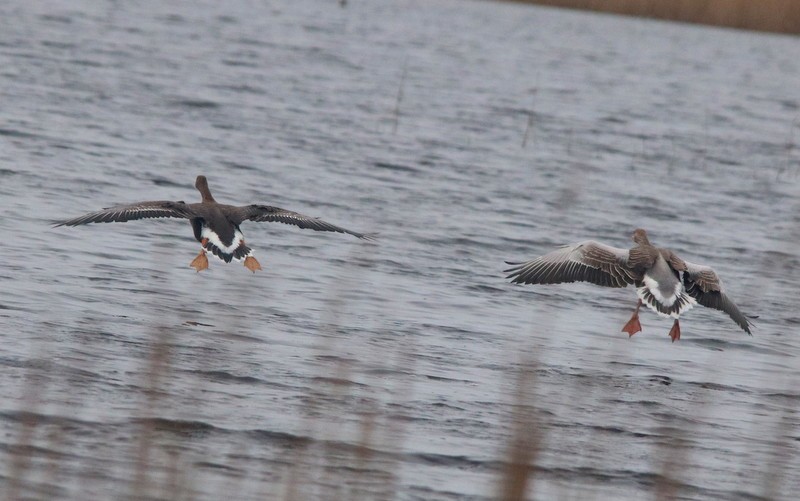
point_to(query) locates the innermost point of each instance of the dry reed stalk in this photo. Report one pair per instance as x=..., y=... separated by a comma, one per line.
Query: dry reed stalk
x=175, y=480
x=363, y=451
x=55, y=441
x=673, y=158
x=527, y=129
x=674, y=451
x=244, y=292
x=339, y=388
x=782, y=459
x=789, y=146
x=570, y=139
x=398, y=429
x=525, y=442
x=338, y=385
x=292, y=484
x=20, y=454
x=399, y=98
x=782, y=455
x=157, y=370
x=531, y=117
x=376, y=430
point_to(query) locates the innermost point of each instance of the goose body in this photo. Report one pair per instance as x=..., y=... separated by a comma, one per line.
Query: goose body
x=215, y=225
x=664, y=282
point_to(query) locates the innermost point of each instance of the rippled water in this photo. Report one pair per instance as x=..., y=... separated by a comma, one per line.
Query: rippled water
x=466, y=133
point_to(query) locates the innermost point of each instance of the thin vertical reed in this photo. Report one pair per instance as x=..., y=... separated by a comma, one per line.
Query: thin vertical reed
x=399, y=99
x=20, y=454
x=157, y=369
x=525, y=443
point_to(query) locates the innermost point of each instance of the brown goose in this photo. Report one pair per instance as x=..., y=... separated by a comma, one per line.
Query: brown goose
x=215, y=225
x=664, y=282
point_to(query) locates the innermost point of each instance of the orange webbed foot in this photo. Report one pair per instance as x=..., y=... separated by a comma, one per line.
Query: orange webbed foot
x=675, y=332
x=633, y=326
x=251, y=264
x=200, y=263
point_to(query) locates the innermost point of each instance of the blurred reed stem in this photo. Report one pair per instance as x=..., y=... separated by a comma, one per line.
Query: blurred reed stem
x=525, y=443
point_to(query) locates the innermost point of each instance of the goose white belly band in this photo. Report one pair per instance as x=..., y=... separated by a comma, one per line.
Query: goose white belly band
x=213, y=238
x=651, y=295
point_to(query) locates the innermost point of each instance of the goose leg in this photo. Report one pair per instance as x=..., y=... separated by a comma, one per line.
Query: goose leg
x=633, y=326
x=675, y=332
x=200, y=263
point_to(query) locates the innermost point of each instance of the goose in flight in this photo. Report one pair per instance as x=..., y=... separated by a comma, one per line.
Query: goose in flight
x=664, y=282
x=215, y=225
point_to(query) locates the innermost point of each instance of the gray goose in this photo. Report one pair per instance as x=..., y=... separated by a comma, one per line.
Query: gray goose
x=664, y=282
x=215, y=225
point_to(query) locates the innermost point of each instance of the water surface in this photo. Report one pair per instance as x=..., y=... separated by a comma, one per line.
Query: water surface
x=466, y=133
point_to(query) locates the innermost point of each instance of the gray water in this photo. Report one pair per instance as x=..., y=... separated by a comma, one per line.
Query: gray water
x=466, y=134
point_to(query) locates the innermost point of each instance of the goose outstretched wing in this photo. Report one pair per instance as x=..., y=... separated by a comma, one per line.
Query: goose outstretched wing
x=704, y=285
x=267, y=213
x=130, y=212
x=587, y=261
